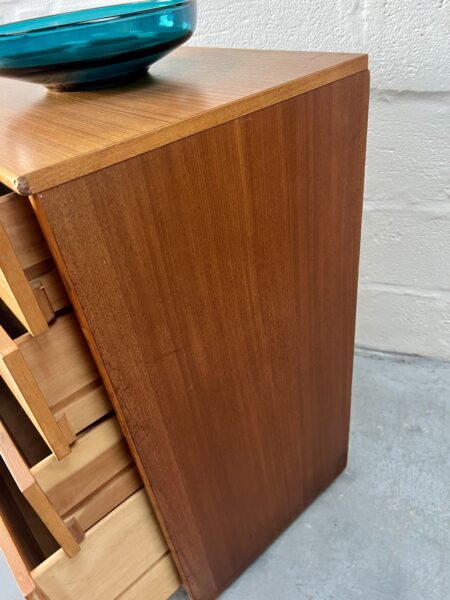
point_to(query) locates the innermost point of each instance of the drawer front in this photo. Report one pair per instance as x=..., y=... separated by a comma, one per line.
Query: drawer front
x=98, y=475
x=30, y=285
x=117, y=554
x=18, y=377
x=54, y=378
x=35, y=495
x=124, y=556
x=72, y=495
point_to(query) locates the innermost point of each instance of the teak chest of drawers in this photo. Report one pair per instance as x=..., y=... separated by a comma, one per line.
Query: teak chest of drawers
x=204, y=224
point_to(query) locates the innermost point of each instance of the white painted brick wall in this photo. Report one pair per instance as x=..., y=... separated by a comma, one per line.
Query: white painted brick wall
x=404, y=300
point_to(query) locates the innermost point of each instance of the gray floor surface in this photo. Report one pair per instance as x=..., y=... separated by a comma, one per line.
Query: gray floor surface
x=382, y=530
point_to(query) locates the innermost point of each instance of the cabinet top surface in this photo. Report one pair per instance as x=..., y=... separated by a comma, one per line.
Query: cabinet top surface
x=48, y=139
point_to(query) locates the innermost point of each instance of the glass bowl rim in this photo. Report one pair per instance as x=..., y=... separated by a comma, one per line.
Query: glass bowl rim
x=25, y=27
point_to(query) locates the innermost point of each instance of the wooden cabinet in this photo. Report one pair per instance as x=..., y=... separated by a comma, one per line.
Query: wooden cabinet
x=204, y=223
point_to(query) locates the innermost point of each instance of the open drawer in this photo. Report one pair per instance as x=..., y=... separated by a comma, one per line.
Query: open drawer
x=55, y=380
x=72, y=495
x=30, y=284
x=98, y=475
x=124, y=556
x=35, y=495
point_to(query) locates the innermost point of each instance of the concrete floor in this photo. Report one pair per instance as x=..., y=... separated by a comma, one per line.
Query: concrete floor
x=382, y=531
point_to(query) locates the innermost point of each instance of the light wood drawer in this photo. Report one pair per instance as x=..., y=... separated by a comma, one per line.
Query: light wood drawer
x=97, y=476
x=72, y=495
x=55, y=380
x=30, y=533
x=27, y=439
x=35, y=495
x=124, y=556
x=30, y=284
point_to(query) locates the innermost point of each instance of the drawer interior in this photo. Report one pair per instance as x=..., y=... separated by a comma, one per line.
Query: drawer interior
x=29, y=282
x=96, y=477
x=64, y=370
x=30, y=534
x=48, y=367
x=123, y=553
x=124, y=556
x=72, y=495
x=26, y=437
x=54, y=379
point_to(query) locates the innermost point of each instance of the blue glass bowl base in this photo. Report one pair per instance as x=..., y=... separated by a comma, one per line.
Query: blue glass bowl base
x=95, y=48
x=92, y=75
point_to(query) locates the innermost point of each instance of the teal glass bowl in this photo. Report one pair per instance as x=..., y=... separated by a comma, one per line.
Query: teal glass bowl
x=97, y=47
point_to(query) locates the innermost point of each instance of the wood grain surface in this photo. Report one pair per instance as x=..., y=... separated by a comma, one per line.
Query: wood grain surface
x=17, y=375
x=97, y=457
x=15, y=290
x=115, y=554
x=215, y=279
x=29, y=282
x=31, y=537
x=26, y=437
x=48, y=139
x=32, y=491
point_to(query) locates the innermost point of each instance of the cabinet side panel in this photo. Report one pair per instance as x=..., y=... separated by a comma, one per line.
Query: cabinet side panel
x=216, y=280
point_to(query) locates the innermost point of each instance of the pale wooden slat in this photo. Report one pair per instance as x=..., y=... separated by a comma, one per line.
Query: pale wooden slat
x=43, y=301
x=44, y=508
x=54, y=289
x=84, y=407
x=158, y=583
x=115, y=553
x=14, y=461
x=32, y=491
x=96, y=458
x=15, y=290
x=30, y=285
x=54, y=378
x=22, y=229
x=7, y=345
x=18, y=377
x=66, y=429
x=22, y=430
x=29, y=533
x=116, y=491
x=60, y=360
